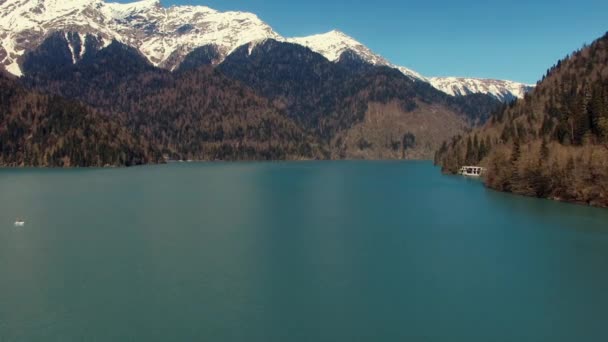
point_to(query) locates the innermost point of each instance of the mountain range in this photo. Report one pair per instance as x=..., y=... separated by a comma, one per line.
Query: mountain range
x=166, y=36
x=270, y=100
x=90, y=83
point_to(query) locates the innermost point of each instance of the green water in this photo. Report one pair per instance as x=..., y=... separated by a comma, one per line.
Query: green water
x=331, y=251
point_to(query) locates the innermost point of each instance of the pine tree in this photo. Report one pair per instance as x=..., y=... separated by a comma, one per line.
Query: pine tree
x=598, y=111
x=514, y=180
x=483, y=150
x=470, y=153
x=516, y=151
x=476, y=156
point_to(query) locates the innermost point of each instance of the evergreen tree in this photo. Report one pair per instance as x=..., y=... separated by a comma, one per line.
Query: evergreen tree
x=470, y=153
x=476, y=156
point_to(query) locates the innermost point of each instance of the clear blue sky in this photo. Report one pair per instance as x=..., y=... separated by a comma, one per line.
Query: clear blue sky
x=516, y=40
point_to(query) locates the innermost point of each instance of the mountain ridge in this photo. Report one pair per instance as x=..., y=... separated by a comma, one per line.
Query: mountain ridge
x=504, y=90
x=158, y=32
x=321, y=99
x=197, y=115
x=166, y=35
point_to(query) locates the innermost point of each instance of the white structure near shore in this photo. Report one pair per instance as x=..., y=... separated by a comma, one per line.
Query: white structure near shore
x=471, y=171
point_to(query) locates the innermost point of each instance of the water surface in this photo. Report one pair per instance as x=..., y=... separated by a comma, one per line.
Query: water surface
x=330, y=251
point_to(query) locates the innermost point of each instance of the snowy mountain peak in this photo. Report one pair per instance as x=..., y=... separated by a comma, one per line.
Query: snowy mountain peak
x=338, y=35
x=500, y=89
x=133, y=4
x=118, y=10
x=334, y=43
x=164, y=35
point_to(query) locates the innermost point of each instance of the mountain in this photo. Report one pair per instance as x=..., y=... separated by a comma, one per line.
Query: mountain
x=311, y=103
x=336, y=45
x=212, y=99
x=165, y=36
x=204, y=55
x=330, y=100
x=295, y=78
x=505, y=91
x=332, y=45
x=554, y=142
x=199, y=114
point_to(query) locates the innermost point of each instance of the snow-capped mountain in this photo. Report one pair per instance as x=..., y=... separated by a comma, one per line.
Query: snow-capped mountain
x=334, y=43
x=165, y=36
x=460, y=86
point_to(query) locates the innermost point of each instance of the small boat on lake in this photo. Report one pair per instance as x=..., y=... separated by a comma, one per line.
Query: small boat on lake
x=471, y=171
x=19, y=223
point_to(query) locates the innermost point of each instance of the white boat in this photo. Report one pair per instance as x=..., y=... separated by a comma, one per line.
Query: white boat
x=19, y=223
x=471, y=171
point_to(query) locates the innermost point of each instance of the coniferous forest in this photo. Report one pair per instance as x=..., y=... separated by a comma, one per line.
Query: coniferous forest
x=551, y=144
x=47, y=130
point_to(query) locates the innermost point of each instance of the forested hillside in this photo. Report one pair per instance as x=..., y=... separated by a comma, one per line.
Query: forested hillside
x=199, y=114
x=266, y=101
x=43, y=130
x=356, y=109
x=554, y=142
x=277, y=101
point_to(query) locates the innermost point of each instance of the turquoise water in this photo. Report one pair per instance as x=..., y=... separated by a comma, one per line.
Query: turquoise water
x=329, y=251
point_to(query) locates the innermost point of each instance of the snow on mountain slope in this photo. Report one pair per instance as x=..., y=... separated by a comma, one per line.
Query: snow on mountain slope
x=502, y=90
x=158, y=32
x=25, y=23
x=334, y=43
x=167, y=35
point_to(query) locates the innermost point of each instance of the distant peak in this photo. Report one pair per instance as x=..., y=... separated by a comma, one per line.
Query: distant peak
x=336, y=32
x=137, y=4
x=145, y=3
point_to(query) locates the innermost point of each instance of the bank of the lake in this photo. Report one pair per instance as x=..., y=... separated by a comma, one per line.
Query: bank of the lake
x=303, y=251
x=542, y=185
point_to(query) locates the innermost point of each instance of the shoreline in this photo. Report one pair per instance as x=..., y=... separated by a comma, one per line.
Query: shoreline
x=13, y=167
x=549, y=198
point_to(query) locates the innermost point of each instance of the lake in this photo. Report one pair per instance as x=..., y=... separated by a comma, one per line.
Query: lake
x=310, y=251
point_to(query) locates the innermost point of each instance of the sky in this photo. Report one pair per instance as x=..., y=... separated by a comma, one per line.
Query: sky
x=515, y=40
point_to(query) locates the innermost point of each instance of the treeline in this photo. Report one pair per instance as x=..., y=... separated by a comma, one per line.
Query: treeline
x=554, y=142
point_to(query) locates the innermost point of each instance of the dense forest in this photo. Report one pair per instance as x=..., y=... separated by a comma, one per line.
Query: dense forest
x=358, y=111
x=199, y=114
x=328, y=97
x=554, y=142
x=47, y=130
